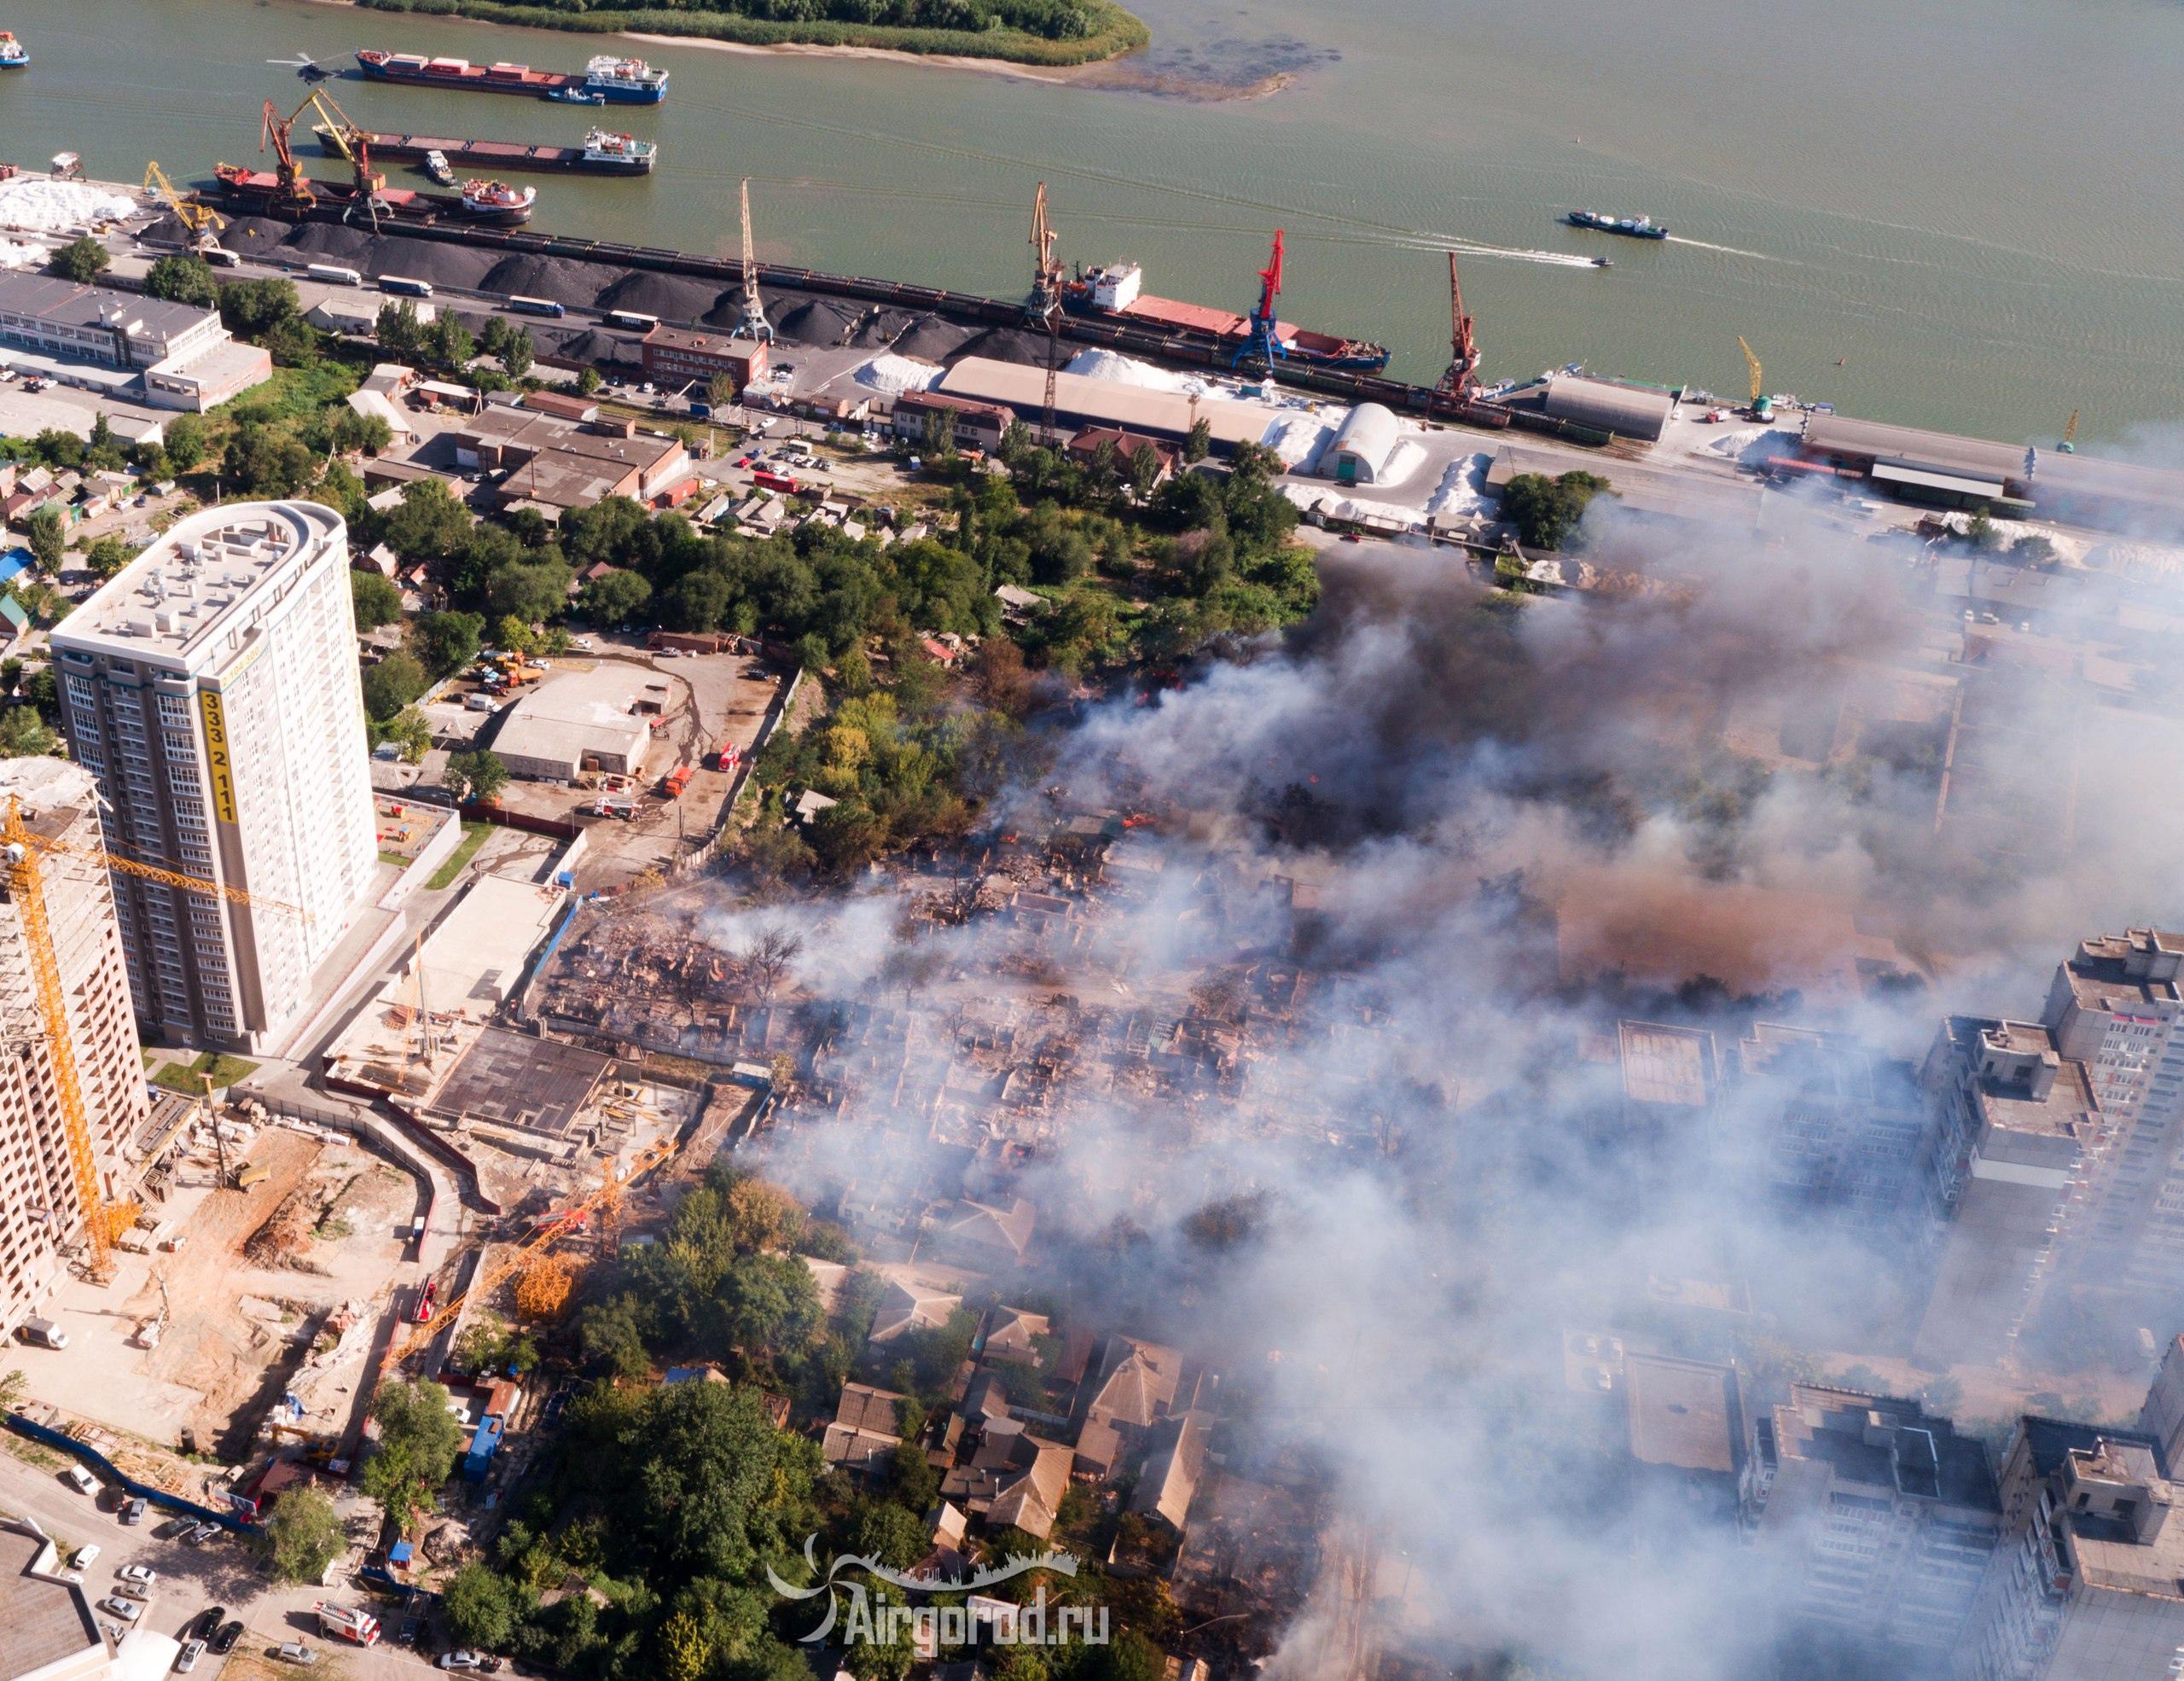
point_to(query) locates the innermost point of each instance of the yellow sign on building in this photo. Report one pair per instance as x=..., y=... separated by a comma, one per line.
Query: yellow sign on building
x=216, y=756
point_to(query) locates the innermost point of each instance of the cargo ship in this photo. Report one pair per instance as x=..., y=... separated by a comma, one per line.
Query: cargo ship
x=616, y=81
x=13, y=55
x=1632, y=227
x=1115, y=289
x=601, y=153
x=488, y=203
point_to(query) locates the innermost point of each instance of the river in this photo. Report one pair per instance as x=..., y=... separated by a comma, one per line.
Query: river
x=1966, y=213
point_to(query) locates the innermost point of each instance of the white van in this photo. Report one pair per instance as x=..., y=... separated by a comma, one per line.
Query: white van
x=43, y=1332
x=86, y=1555
x=81, y=1481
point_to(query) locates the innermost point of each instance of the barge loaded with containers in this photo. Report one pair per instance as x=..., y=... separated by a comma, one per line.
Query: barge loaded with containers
x=1114, y=290
x=601, y=153
x=606, y=79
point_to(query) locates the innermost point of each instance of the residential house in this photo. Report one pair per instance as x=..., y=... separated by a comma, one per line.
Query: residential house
x=907, y=1308
x=866, y=1431
x=1014, y=1333
x=1135, y=1390
x=986, y=1235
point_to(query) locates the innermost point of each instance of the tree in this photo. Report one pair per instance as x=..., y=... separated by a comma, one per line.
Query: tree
x=293, y=341
x=408, y=731
x=376, y=600
x=428, y=524
x=1197, y=442
x=1544, y=510
x=185, y=442
x=49, y=538
x=393, y=684
x=1144, y=469
x=102, y=450
x=531, y=591
x=354, y=434
x=24, y=735
x=304, y=1535
x=936, y=433
x=400, y=333
x=269, y=462
x=483, y=1606
x=685, y=1651
x=448, y=342
x=418, y=1440
x=518, y=353
x=478, y=775
x=82, y=260
x=447, y=641
x=107, y=557
x=183, y=278
x=251, y=308
x=616, y=597
x=720, y=391
x=589, y=381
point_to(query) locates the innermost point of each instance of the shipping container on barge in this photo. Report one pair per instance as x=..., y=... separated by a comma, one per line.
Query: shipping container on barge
x=259, y=192
x=601, y=153
x=615, y=81
x=1114, y=290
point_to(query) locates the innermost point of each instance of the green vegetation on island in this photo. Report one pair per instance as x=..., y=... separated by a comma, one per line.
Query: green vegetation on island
x=1023, y=31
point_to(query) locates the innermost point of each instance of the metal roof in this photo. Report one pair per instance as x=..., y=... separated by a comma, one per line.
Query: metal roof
x=1081, y=400
x=1938, y=481
x=1629, y=410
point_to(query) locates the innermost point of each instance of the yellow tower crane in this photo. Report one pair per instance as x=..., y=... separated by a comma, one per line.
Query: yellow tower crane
x=22, y=853
x=203, y=222
x=1761, y=408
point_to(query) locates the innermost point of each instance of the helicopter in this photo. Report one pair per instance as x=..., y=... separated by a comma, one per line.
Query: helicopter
x=306, y=66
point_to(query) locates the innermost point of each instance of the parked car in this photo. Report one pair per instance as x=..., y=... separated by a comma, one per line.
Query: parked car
x=127, y=1609
x=86, y=1555
x=138, y=1573
x=461, y=1660
x=295, y=1652
x=207, y=1623
x=186, y=1659
x=134, y=1511
x=224, y=1637
x=204, y=1533
x=132, y=1590
x=80, y=1479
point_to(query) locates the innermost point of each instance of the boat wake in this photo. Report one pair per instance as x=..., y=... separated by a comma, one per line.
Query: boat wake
x=1731, y=250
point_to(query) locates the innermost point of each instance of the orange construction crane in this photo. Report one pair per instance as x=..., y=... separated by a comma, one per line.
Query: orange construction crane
x=565, y=1221
x=1463, y=345
x=21, y=852
x=296, y=191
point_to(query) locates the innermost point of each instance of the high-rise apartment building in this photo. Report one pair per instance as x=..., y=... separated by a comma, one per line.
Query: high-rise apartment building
x=2087, y=1582
x=2013, y=1121
x=1836, y=1129
x=2162, y=1417
x=2115, y=1005
x=211, y=687
x=41, y=1213
x=1880, y=1519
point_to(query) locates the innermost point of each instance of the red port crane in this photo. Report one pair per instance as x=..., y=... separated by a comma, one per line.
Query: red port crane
x=1463, y=347
x=1264, y=344
x=296, y=188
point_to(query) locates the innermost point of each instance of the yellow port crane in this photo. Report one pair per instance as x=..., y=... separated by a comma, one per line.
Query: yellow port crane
x=349, y=140
x=564, y=1221
x=21, y=852
x=1760, y=406
x=203, y=222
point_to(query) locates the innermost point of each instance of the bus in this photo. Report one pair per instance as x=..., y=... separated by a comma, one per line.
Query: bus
x=334, y=274
x=406, y=286
x=631, y=319
x=537, y=306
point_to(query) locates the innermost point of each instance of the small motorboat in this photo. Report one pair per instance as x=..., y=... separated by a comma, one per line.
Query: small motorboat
x=578, y=95
x=437, y=167
x=13, y=55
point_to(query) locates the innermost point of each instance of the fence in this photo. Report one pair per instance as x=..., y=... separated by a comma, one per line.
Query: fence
x=48, y=1437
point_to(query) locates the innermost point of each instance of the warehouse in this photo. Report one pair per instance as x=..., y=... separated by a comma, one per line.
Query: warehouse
x=1081, y=400
x=577, y=722
x=1365, y=444
x=1626, y=410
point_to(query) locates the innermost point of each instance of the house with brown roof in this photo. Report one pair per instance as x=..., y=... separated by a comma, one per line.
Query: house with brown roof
x=1012, y=1480
x=985, y=1234
x=907, y=1308
x=1014, y=1333
x=1135, y=1390
x=866, y=1430
x=1173, y=1465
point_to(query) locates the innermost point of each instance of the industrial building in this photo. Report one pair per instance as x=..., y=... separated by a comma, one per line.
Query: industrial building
x=189, y=359
x=978, y=425
x=555, y=465
x=1081, y=400
x=40, y=1208
x=2087, y=1580
x=1367, y=443
x=1881, y=1518
x=677, y=355
x=211, y=687
x=580, y=721
x=1605, y=405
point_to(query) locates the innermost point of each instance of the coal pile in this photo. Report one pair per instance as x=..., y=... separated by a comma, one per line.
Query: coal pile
x=670, y=297
x=1002, y=344
x=932, y=340
x=619, y=356
x=560, y=279
x=813, y=320
x=882, y=327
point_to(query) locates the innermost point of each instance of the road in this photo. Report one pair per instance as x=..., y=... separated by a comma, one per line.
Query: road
x=225, y=1571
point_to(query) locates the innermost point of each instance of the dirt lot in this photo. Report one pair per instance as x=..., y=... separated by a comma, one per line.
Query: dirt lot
x=256, y=1271
x=715, y=698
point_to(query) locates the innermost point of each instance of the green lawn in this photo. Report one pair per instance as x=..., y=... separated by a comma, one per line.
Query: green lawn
x=399, y=860
x=474, y=837
x=187, y=1077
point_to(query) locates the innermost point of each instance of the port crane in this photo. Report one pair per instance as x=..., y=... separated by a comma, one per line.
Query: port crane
x=1046, y=302
x=295, y=191
x=2069, y=444
x=1463, y=345
x=753, y=323
x=350, y=141
x=1264, y=344
x=21, y=867
x=1761, y=408
x=203, y=223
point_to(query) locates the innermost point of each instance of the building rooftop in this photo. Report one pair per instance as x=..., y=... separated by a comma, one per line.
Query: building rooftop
x=190, y=600
x=2122, y=969
x=46, y=1621
x=2117, y=1510
x=1888, y=1445
x=1666, y=1065
x=66, y=303
x=2025, y=1084
x=1113, y=402
x=578, y=712
x=1687, y=1415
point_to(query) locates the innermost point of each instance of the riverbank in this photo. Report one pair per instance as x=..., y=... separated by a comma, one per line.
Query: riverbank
x=1114, y=32
x=1109, y=75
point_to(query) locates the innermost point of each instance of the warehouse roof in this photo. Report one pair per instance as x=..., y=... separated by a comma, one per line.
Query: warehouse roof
x=1370, y=434
x=1081, y=399
x=64, y=303
x=1632, y=410
x=576, y=713
x=1913, y=447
